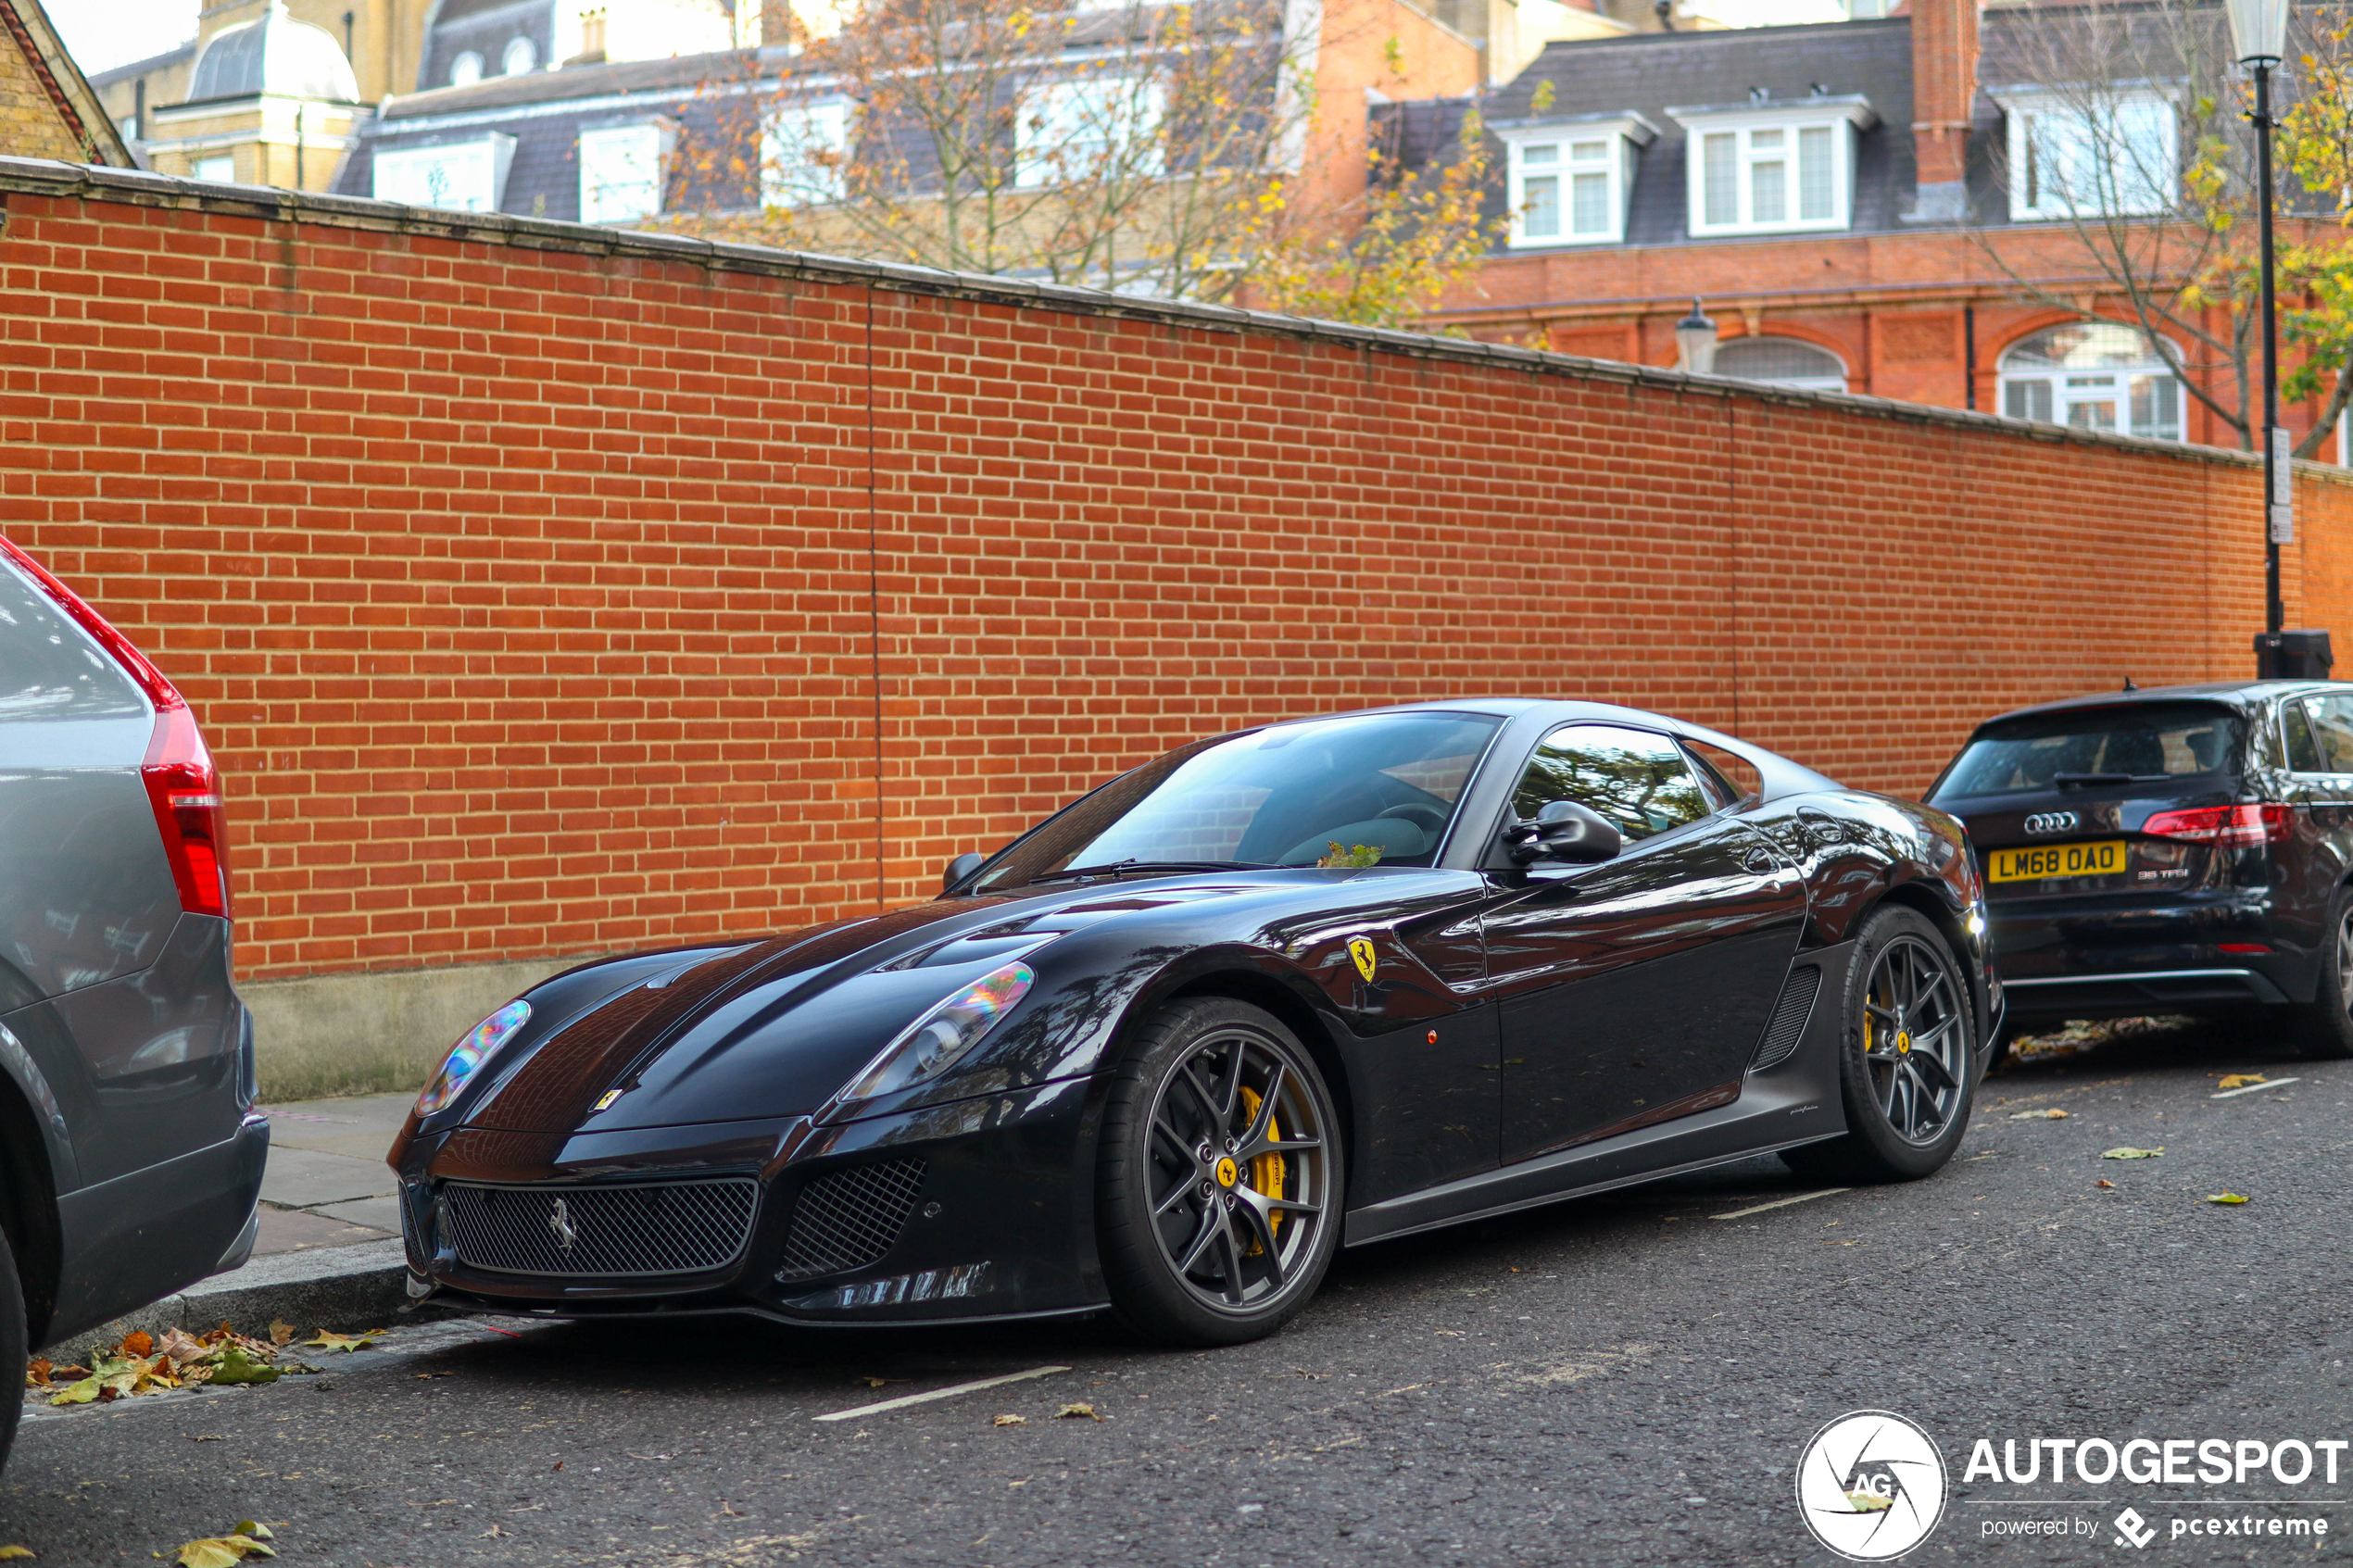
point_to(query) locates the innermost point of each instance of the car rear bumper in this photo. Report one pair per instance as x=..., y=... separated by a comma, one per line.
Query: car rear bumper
x=2157, y=990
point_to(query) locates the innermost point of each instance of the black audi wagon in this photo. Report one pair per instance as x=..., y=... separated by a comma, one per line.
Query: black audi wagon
x=2179, y=849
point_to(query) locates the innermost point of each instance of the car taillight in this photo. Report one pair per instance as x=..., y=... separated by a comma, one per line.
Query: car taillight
x=182, y=784
x=2230, y=826
x=186, y=793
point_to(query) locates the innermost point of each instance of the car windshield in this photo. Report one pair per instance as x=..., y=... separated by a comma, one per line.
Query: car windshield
x=1382, y=788
x=2087, y=750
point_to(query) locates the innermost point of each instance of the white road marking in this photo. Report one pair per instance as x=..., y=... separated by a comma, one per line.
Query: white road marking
x=949, y=1393
x=2251, y=1088
x=1781, y=1203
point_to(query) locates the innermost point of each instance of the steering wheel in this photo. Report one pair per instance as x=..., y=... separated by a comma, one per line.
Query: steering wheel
x=1429, y=818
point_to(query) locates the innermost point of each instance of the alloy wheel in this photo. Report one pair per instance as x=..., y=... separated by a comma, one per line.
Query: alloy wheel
x=1238, y=1170
x=1913, y=1046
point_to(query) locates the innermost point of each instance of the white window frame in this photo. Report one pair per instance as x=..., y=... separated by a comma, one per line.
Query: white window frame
x=1619, y=138
x=474, y=173
x=2039, y=182
x=1842, y=118
x=1046, y=129
x=210, y=167
x=607, y=198
x=788, y=177
x=519, y=48
x=467, y=68
x=2072, y=389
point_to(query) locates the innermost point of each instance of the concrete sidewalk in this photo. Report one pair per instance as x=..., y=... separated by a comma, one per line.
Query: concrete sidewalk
x=327, y=1184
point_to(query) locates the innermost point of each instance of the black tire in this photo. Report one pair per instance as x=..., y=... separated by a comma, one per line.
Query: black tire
x=13, y=1349
x=2323, y=1029
x=1217, y=1213
x=1907, y=1101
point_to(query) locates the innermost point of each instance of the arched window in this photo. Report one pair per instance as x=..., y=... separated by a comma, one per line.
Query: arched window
x=519, y=56
x=2095, y=375
x=466, y=69
x=1783, y=361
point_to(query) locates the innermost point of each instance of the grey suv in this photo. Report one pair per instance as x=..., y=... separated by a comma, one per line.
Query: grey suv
x=129, y=1154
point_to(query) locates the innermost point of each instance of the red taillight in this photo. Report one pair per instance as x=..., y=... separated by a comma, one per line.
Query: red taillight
x=186, y=793
x=178, y=772
x=2230, y=826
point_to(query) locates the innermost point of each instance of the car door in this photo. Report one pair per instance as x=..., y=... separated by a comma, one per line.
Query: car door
x=2318, y=735
x=1634, y=991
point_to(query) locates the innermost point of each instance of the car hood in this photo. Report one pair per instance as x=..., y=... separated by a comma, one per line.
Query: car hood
x=777, y=1027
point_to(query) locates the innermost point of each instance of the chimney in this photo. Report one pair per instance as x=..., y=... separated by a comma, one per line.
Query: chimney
x=1944, y=86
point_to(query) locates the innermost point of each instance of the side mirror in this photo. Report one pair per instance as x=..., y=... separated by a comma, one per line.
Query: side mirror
x=1563, y=830
x=959, y=868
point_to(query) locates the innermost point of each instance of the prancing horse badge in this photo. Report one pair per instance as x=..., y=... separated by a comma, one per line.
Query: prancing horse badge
x=1361, y=949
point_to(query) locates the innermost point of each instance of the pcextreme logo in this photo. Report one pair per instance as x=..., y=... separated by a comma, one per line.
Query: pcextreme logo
x=1870, y=1485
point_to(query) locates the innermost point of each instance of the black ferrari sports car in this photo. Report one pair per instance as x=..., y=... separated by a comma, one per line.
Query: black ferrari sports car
x=1321, y=983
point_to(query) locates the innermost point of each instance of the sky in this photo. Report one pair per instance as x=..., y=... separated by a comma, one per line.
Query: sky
x=102, y=34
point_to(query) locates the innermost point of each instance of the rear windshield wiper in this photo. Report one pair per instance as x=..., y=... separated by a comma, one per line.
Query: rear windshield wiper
x=1124, y=868
x=2085, y=780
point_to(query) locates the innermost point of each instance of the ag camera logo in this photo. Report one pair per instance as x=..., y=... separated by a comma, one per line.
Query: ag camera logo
x=1870, y=1485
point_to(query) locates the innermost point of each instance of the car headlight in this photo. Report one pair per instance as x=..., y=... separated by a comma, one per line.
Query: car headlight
x=475, y=1047
x=941, y=1037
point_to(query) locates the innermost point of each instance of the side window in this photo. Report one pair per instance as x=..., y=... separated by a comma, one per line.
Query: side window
x=49, y=668
x=1638, y=781
x=2303, y=757
x=1736, y=777
x=2332, y=720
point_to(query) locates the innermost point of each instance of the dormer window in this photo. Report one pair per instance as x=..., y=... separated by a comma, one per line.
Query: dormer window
x=2080, y=154
x=1771, y=168
x=1570, y=180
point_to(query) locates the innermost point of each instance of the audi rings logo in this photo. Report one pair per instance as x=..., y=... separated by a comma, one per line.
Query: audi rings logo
x=1870, y=1485
x=2053, y=822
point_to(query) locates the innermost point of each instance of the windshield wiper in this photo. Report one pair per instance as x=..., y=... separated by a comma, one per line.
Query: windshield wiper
x=1123, y=867
x=2085, y=780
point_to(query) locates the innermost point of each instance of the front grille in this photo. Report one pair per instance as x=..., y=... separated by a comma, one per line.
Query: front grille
x=1791, y=1015
x=844, y=1220
x=680, y=1227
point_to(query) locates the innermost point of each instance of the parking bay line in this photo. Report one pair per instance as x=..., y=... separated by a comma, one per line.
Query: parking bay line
x=1781, y=1203
x=949, y=1393
x=2251, y=1088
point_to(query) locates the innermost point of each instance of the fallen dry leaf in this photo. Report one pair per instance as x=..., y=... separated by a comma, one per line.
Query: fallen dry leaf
x=36, y=1373
x=2240, y=1080
x=1012, y=1421
x=2104, y=1182
x=139, y=1343
x=2053, y=1114
x=2225, y=1197
x=281, y=1332
x=2130, y=1153
x=327, y=1339
x=1077, y=1412
x=222, y=1551
x=11, y=1553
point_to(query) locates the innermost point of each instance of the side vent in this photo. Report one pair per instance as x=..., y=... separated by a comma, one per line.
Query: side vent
x=846, y=1219
x=1791, y=1015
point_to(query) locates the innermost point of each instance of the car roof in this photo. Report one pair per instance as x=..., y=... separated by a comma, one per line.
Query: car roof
x=2245, y=696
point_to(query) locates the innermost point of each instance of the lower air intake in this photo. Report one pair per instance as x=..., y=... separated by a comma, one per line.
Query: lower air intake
x=844, y=1220
x=1790, y=1017
x=601, y=1232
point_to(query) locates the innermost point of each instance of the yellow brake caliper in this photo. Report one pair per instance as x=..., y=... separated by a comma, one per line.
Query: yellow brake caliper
x=1265, y=1171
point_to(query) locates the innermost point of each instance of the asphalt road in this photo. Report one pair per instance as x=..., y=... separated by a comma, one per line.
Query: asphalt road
x=1624, y=1380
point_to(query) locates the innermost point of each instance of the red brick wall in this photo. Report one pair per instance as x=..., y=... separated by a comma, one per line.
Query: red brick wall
x=523, y=588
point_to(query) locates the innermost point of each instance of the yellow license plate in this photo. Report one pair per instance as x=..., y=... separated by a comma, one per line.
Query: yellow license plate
x=2104, y=857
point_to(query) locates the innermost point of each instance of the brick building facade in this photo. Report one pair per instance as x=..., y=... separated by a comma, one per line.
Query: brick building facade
x=1924, y=269
x=47, y=108
x=546, y=589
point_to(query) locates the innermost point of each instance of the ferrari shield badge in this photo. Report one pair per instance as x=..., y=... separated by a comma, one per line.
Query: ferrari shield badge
x=1361, y=949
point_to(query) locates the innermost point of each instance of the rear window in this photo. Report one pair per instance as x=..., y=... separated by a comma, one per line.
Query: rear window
x=48, y=668
x=2119, y=747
